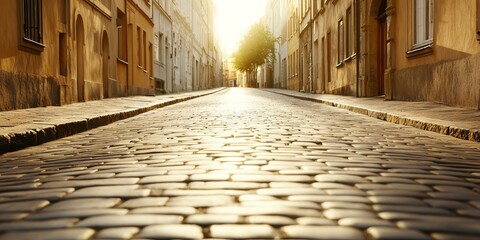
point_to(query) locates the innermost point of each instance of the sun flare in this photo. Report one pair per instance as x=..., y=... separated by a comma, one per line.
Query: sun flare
x=234, y=17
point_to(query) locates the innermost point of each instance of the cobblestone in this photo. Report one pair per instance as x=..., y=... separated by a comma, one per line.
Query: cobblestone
x=117, y=233
x=127, y=191
x=322, y=232
x=254, y=231
x=390, y=233
x=134, y=220
x=363, y=223
x=86, y=203
x=38, y=225
x=210, y=219
x=243, y=164
x=25, y=206
x=172, y=231
x=66, y=234
x=76, y=213
x=200, y=201
x=144, y=202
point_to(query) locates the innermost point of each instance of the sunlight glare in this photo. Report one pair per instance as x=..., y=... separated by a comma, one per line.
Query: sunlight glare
x=234, y=17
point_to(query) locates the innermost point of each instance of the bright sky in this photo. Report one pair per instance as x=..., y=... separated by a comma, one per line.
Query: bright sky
x=234, y=17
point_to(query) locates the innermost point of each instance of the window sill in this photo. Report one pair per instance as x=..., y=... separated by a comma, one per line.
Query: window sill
x=122, y=61
x=31, y=46
x=348, y=59
x=420, y=51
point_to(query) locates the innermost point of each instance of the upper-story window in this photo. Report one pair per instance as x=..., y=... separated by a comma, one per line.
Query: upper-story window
x=121, y=35
x=478, y=20
x=350, y=33
x=340, y=39
x=422, y=23
x=31, y=29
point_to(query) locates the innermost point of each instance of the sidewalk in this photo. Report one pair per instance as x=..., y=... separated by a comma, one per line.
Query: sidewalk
x=457, y=122
x=28, y=127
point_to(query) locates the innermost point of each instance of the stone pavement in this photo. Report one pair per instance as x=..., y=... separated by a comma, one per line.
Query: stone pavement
x=29, y=127
x=244, y=164
x=457, y=122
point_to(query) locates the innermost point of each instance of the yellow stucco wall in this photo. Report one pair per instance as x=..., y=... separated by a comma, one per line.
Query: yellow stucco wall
x=98, y=23
x=29, y=79
x=449, y=73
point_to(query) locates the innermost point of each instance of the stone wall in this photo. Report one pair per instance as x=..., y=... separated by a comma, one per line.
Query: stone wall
x=455, y=83
x=21, y=90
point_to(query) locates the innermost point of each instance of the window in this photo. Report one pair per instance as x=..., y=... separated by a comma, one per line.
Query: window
x=329, y=55
x=150, y=59
x=161, y=49
x=144, y=45
x=166, y=51
x=62, y=53
x=156, y=47
x=30, y=21
x=289, y=66
x=139, y=47
x=422, y=23
x=478, y=20
x=294, y=67
x=297, y=58
x=121, y=35
x=350, y=33
x=340, y=42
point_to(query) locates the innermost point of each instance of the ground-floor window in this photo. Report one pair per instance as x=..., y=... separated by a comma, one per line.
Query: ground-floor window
x=422, y=22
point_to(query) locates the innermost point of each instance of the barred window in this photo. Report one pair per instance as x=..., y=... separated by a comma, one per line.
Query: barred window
x=30, y=25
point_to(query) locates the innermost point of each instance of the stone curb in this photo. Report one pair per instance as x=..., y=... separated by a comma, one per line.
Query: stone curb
x=19, y=140
x=461, y=133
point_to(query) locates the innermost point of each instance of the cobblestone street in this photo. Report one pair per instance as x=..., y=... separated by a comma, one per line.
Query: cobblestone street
x=244, y=164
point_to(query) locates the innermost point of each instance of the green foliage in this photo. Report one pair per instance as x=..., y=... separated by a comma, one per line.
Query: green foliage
x=256, y=48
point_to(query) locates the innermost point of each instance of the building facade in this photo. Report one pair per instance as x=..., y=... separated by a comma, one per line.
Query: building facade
x=162, y=46
x=33, y=67
x=134, y=38
x=402, y=50
x=293, y=34
x=58, y=52
x=305, y=47
x=93, y=50
x=437, y=60
x=277, y=21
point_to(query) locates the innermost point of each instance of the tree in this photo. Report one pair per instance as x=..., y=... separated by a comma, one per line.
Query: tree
x=256, y=48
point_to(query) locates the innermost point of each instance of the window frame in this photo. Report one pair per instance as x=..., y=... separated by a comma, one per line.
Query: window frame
x=340, y=42
x=139, y=48
x=121, y=36
x=421, y=23
x=350, y=33
x=25, y=42
x=478, y=21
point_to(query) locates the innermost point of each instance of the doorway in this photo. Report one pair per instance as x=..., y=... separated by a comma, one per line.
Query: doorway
x=381, y=47
x=80, y=59
x=105, y=58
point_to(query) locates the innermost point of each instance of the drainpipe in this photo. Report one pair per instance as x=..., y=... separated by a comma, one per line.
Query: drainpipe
x=357, y=46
